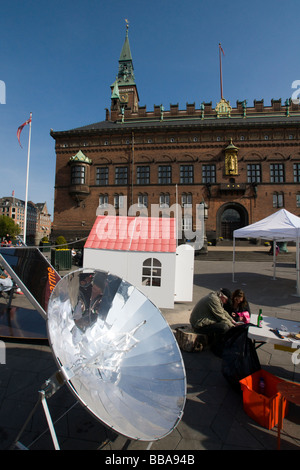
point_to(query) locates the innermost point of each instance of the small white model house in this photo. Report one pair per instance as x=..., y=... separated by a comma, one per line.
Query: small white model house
x=144, y=252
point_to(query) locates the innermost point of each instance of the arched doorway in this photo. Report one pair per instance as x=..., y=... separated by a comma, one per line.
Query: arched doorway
x=230, y=217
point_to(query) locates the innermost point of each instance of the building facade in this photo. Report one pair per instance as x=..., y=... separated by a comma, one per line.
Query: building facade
x=38, y=218
x=242, y=162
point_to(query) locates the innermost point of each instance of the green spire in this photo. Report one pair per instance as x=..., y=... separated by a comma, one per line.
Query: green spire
x=125, y=53
x=125, y=74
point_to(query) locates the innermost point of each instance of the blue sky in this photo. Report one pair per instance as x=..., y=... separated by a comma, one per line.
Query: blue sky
x=59, y=58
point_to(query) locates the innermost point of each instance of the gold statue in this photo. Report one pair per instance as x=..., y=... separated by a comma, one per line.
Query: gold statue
x=231, y=162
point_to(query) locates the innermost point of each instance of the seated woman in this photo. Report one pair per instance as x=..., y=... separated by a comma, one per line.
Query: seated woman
x=240, y=309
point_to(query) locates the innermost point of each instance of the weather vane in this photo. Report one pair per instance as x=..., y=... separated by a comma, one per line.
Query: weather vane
x=127, y=24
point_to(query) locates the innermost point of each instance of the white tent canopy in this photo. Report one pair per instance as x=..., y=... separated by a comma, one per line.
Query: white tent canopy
x=280, y=226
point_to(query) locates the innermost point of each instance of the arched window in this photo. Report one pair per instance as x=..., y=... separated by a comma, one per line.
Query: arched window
x=143, y=200
x=164, y=200
x=118, y=201
x=186, y=200
x=151, y=275
x=278, y=199
x=103, y=200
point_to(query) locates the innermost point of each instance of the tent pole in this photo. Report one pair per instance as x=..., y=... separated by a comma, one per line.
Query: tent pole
x=274, y=259
x=233, y=259
x=297, y=265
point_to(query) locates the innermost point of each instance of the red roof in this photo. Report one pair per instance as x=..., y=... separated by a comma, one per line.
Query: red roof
x=122, y=233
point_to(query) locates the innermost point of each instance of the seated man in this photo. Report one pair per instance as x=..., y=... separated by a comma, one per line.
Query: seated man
x=209, y=316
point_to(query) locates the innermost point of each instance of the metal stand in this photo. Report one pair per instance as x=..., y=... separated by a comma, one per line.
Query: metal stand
x=47, y=390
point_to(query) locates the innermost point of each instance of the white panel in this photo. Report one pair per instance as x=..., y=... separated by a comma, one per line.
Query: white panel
x=184, y=277
x=114, y=262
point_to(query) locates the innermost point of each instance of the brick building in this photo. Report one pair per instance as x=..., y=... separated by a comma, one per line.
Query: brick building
x=38, y=218
x=43, y=223
x=242, y=162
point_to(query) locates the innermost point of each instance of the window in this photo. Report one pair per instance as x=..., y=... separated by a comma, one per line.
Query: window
x=253, y=173
x=298, y=200
x=151, y=275
x=186, y=200
x=296, y=172
x=277, y=173
x=278, y=200
x=164, y=200
x=143, y=175
x=165, y=174
x=186, y=174
x=78, y=174
x=208, y=174
x=103, y=200
x=187, y=224
x=102, y=176
x=118, y=201
x=143, y=200
x=121, y=175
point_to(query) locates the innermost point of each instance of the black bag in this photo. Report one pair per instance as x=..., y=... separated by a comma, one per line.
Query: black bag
x=239, y=358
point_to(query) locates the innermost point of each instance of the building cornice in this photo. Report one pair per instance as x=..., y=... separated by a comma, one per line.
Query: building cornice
x=109, y=127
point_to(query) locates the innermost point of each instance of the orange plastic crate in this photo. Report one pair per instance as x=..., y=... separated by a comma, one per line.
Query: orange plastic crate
x=264, y=409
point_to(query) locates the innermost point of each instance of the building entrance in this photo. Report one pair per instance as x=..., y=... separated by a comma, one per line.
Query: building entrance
x=231, y=218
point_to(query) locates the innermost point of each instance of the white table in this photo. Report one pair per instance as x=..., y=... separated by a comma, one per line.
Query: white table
x=264, y=335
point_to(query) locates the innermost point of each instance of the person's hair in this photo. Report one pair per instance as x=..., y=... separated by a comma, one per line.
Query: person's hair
x=239, y=293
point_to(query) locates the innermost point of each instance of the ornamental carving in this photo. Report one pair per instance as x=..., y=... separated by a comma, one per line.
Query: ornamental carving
x=223, y=108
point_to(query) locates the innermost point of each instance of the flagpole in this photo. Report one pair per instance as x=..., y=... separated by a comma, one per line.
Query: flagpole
x=221, y=79
x=27, y=178
x=177, y=231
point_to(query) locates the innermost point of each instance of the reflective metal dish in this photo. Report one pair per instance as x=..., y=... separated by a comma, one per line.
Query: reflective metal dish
x=117, y=353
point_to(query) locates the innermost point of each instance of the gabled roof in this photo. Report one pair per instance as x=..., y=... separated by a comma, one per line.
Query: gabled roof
x=150, y=234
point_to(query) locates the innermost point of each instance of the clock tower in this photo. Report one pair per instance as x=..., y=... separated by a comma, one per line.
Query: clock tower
x=124, y=91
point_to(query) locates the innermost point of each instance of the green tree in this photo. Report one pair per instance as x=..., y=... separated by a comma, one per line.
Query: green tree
x=8, y=227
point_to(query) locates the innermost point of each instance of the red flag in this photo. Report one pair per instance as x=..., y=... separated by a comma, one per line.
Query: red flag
x=21, y=128
x=221, y=48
